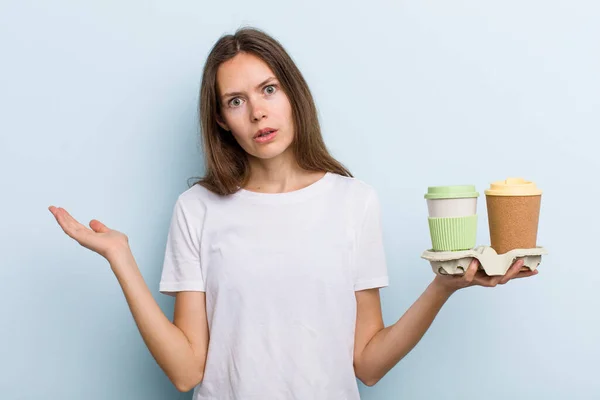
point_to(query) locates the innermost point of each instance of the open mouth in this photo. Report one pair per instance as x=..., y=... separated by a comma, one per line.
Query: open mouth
x=265, y=135
x=265, y=132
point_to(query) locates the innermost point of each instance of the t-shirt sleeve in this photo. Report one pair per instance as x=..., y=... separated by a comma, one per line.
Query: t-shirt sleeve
x=182, y=265
x=371, y=268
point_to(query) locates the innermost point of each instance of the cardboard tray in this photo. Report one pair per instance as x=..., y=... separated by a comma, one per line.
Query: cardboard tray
x=457, y=262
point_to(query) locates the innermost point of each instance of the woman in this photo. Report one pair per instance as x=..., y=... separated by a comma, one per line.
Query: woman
x=275, y=257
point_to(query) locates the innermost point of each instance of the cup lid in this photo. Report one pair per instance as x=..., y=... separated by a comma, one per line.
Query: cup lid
x=451, y=192
x=513, y=187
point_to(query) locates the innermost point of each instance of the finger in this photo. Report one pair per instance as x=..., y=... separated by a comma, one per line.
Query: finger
x=98, y=226
x=513, y=271
x=526, y=274
x=57, y=215
x=486, y=280
x=68, y=218
x=66, y=221
x=55, y=211
x=495, y=280
x=69, y=225
x=471, y=270
x=481, y=281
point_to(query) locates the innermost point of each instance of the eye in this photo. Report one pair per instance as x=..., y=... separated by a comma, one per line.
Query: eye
x=235, y=102
x=270, y=89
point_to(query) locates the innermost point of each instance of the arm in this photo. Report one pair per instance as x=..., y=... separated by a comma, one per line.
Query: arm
x=180, y=347
x=377, y=349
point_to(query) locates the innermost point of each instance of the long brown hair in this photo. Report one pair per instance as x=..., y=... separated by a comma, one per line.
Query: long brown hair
x=226, y=163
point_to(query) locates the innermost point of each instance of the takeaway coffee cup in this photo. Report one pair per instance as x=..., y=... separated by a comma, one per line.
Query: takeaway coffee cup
x=513, y=207
x=452, y=217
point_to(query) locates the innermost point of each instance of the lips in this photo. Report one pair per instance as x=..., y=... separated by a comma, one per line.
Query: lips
x=264, y=132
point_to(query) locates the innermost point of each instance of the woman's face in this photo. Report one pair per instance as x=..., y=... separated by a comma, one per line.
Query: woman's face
x=254, y=107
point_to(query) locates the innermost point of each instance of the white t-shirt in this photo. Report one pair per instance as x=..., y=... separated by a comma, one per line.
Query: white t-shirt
x=279, y=271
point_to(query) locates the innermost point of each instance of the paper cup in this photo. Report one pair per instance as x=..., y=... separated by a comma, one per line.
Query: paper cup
x=452, y=217
x=513, y=214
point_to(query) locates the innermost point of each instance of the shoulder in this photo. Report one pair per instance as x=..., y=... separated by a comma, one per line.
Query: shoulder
x=356, y=195
x=354, y=188
x=196, y=193
x=196, y=199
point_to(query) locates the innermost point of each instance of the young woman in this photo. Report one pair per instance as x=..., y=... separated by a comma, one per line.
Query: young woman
x=275, y=257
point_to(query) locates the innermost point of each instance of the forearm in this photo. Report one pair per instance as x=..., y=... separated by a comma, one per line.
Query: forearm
x=391, y=344
x=167, y=343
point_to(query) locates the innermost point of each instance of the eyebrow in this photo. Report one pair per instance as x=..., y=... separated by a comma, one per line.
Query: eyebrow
x=257, y=87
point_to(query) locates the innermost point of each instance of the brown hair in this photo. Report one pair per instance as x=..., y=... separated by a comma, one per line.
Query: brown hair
x=226, y=163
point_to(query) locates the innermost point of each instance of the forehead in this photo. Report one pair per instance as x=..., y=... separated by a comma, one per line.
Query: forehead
x=242, y=72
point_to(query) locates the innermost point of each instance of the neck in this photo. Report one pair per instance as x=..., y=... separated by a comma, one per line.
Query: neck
x=279, y=175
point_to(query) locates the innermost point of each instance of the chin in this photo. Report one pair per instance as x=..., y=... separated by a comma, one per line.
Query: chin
x=268, y=154
x=270, y=151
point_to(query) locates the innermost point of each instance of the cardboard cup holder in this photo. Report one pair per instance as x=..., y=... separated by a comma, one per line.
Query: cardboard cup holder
x=457, y=262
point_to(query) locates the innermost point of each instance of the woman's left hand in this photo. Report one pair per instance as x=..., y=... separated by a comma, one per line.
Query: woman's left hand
x=473, y=276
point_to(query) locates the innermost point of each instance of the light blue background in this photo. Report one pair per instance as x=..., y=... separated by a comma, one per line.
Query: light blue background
x=99, y=116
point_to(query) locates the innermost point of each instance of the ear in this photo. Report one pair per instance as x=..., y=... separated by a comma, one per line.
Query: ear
x=222, y=123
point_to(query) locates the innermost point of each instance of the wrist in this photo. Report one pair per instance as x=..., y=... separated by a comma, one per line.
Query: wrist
x=440, y=288
x=118, y=258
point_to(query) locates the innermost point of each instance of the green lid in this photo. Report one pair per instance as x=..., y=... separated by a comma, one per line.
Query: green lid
x=451, y=192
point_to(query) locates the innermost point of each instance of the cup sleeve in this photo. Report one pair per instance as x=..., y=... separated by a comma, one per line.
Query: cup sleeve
x=182, y=264
x=370, y=262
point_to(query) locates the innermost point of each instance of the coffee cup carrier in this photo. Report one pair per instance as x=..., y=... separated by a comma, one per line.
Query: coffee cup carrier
x=457, y=262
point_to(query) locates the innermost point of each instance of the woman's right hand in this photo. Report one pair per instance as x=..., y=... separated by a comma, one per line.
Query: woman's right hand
x=109, y=243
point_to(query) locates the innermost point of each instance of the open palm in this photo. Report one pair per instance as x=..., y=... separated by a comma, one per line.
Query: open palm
x=474, y=276
x=100, y=239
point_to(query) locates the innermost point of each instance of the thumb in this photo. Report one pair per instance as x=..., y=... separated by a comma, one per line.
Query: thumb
x=98, y=226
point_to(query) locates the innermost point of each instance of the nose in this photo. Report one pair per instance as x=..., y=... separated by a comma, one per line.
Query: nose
x=258, y=112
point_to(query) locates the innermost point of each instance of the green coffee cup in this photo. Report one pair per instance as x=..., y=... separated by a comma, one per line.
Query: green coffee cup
x=452, y=217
